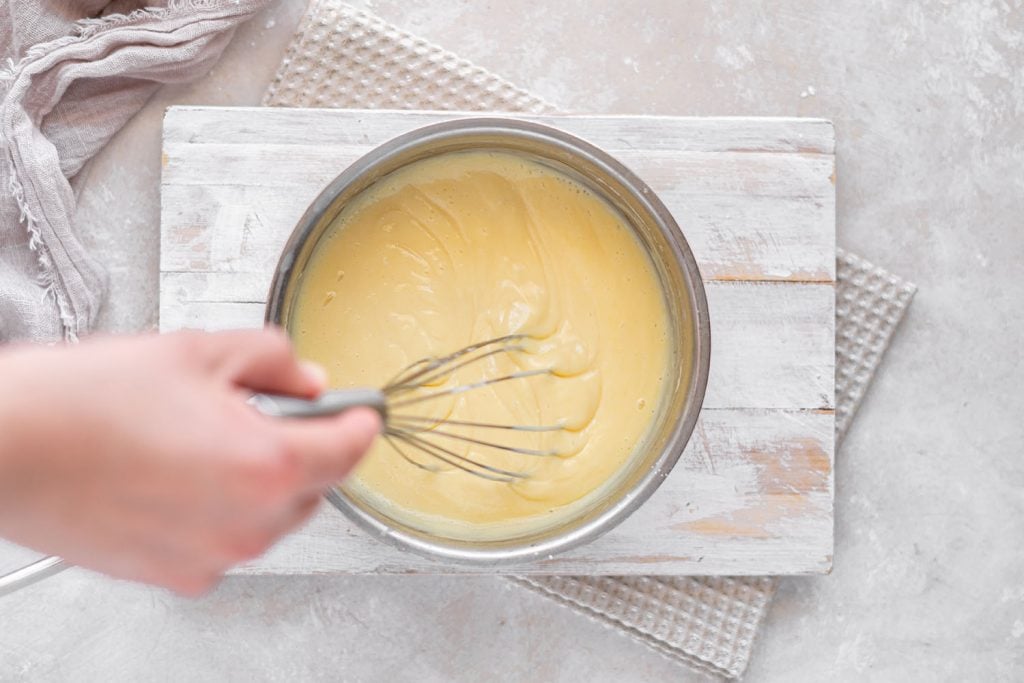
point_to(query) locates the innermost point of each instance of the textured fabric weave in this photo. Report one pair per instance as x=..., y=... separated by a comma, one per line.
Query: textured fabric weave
x=342, y=57
x=75, y=72
x=870, y=302
x=707, y=623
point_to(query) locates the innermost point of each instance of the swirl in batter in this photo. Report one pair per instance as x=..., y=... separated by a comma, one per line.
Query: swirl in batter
x=471, y=246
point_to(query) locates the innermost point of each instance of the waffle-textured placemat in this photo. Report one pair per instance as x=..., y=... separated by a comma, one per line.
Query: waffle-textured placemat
x=342, y=57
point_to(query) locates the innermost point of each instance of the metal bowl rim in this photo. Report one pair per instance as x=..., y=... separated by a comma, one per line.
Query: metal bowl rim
x=509, y=127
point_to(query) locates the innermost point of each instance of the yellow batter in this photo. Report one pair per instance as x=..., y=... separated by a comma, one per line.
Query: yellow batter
x=467, y=247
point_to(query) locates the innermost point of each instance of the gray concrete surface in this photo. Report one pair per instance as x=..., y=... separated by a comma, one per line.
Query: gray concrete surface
x=928, y=100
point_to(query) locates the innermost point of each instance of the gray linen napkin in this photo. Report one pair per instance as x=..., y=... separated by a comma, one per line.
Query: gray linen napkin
x=342, y=57
x=74, y=72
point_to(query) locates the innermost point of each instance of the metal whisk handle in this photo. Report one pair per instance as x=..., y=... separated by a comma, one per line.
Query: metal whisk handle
x=37, y=571
x=328, y=403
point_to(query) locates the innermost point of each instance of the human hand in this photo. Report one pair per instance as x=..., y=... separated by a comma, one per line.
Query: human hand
x=139, y=457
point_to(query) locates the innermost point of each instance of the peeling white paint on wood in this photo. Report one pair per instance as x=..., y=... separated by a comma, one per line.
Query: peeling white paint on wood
x=752, y=494
x=756, y=200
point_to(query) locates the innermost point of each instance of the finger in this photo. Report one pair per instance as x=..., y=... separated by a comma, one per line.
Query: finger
x=303, y=511
x=191, y=583
x=327, y=448
x=263, y=360
x=294, y=518
x=193, y=586
x=250, y=542
x=162, y=566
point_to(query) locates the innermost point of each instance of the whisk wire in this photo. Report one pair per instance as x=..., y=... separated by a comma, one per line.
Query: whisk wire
x=447, y=371
x=463, y=388
x=481, y=442
x=460, y=461
x=422, y=433
x=429, y=364
x=391, y=439
x=479, y=425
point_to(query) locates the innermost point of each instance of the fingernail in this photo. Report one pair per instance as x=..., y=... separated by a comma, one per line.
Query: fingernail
x=315, y=372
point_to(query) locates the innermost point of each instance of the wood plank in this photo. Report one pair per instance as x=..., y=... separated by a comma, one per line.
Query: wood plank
x=749, y=174
x=249, y=126
x=751, y=215
x=756, y=362
x=751, y=494
x=758, y=239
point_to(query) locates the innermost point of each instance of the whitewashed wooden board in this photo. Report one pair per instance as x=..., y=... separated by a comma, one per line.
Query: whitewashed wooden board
x=755, y=198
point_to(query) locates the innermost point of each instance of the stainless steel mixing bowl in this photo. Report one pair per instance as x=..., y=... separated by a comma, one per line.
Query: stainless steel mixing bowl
x=681, y=284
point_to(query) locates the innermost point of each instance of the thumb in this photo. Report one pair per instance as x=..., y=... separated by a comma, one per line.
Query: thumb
x=327, y=448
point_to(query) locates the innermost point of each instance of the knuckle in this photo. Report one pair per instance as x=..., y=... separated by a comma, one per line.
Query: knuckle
x=283, y=471
x=285, y=463
x=272, y=474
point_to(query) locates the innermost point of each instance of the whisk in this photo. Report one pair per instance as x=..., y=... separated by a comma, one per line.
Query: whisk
x=434, y=437
x=411, y=387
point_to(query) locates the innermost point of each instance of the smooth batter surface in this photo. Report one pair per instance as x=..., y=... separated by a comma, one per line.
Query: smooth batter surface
x=467, y=247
